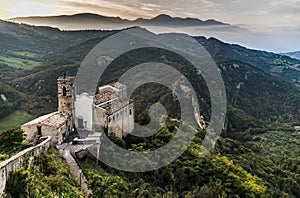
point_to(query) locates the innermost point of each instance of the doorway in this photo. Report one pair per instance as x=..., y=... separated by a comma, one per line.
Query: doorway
x=80, y=123
x=39, y=130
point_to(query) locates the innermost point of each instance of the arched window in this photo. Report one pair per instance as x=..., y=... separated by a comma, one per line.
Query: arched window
x=64, y=91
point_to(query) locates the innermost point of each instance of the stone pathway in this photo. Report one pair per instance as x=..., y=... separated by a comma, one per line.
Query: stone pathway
x=66, y=151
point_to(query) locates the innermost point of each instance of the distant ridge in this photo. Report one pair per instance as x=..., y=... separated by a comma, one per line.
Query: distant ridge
x=295, y=55
x=177, y=21
x=95, y=21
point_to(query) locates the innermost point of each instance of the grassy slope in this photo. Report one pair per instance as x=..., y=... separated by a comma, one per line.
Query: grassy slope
x=15, y=120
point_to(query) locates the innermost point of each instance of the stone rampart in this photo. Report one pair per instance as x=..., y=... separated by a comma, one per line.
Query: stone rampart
x=17, y=161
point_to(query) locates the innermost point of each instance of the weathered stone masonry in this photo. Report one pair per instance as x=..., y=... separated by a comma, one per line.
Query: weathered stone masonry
x=17, y=161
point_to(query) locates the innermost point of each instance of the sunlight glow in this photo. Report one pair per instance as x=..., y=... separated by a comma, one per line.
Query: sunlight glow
x=21, y=8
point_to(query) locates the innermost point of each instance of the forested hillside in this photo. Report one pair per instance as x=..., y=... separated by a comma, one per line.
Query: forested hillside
x=67, y=49
x=22, y=52
x=252, y=93
x=263, y=105
x=282, y=66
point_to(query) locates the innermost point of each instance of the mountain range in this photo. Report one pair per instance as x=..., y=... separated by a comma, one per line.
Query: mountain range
x=95, y=21
x=295, y=55
x=31, y=58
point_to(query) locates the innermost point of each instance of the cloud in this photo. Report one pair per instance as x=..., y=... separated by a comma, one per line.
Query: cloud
x=124, y=9
x=105, y=7
x=149, y=6
x=208, y=4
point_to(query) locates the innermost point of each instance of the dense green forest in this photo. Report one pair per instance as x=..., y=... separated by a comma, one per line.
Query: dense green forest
x=261, y=166
x=276, y=64
x=257, y=155
x=252, y=168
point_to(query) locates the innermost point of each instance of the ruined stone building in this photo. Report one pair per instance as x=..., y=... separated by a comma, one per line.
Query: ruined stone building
x=110, y=110
x=113, y=111
x=58, y=124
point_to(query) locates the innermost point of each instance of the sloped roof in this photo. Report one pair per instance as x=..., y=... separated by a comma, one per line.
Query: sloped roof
x=111, y=108
x=117, y=85
x=104, y=97
x=55, y=119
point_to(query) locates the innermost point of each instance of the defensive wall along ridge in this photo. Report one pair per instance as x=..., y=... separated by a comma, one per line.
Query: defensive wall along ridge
x=17, y=161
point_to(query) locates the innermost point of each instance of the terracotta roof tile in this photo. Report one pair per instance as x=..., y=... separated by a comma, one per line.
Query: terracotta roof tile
x=55, y=119
x=104, y=97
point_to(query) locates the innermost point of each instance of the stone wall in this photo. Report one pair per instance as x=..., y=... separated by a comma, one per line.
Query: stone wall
x=17, y=161
x=58, y=134
x=121, y=122
x=30, y=131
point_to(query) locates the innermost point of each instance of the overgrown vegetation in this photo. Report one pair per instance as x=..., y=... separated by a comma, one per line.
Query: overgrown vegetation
x=251, y=168
x=11, y=142
x=47, y=177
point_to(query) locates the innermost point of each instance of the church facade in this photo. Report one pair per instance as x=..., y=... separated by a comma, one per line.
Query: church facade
x=109, y=110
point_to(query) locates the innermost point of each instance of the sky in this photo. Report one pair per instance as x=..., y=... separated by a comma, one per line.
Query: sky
x=273, y=19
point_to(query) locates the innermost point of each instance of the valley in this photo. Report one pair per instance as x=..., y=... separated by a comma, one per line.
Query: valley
x=257, y=154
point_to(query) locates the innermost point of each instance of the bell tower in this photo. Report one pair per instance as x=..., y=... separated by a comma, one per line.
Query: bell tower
x=65, y=93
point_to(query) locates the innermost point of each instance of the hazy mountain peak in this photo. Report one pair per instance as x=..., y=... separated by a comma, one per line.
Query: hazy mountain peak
x=95, y=21
x=162, y=16
x=295, y=55
x=167, y=20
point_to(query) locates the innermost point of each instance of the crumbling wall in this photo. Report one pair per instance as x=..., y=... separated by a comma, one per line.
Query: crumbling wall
x=17, y=161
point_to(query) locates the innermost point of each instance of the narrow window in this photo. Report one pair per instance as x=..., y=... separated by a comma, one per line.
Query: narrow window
x=64, y=91
x=130, y=111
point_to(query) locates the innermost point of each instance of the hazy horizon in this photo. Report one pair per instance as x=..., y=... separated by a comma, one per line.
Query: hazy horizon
x=273, y=25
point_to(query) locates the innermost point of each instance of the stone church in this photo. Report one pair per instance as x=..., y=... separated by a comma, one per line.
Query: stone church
x=110, y=110
x=58, y=124
x=113, y=111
